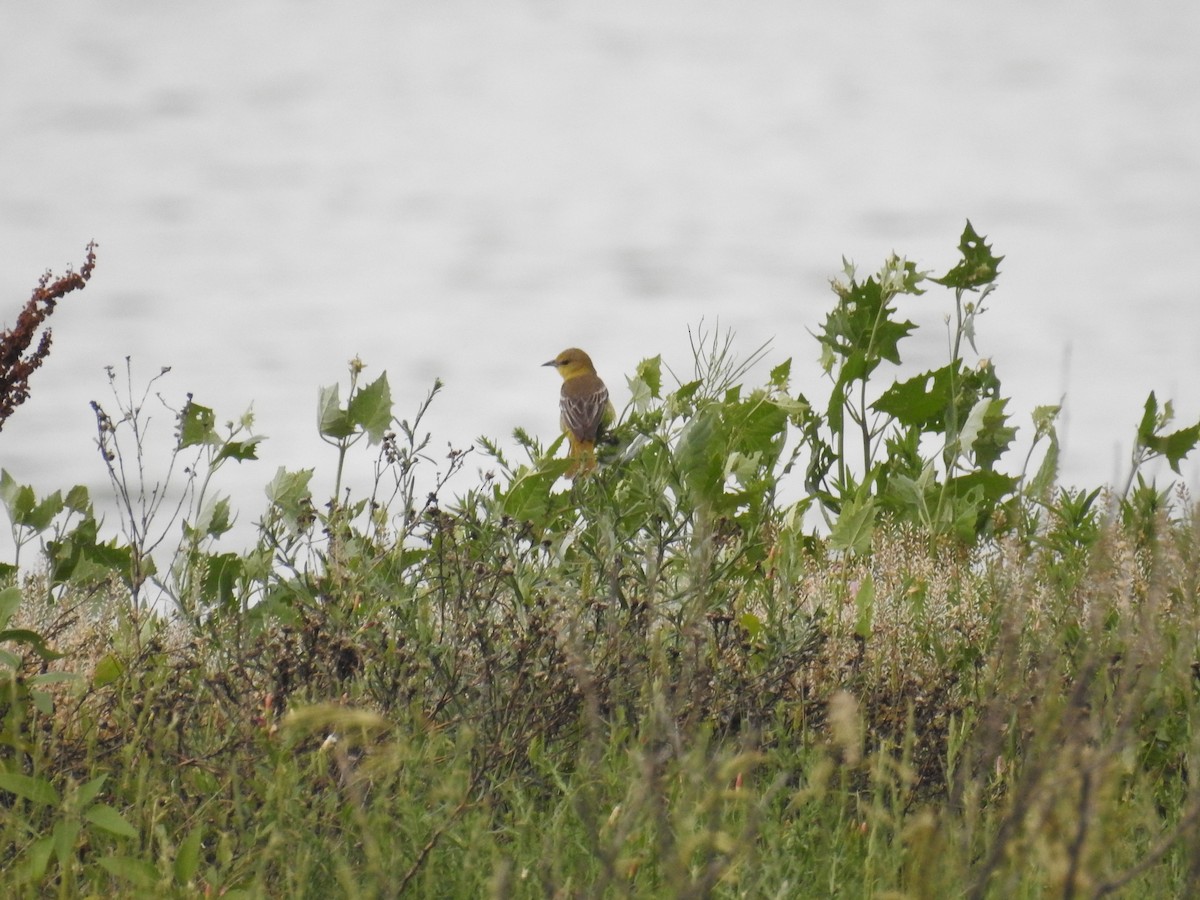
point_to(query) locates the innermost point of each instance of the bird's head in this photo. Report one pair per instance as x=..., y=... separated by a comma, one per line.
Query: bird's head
x=572, y=362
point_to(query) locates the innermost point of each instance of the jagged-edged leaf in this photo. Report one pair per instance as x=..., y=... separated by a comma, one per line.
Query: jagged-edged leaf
x=371, y=409
x=921, y=401
x=855, y=526
x=239, y=450
x=978, y=266
x=197, y=425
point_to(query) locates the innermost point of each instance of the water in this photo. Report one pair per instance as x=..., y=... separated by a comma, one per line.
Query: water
x=461, y=190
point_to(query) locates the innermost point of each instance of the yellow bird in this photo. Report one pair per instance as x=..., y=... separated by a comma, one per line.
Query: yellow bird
x=584, y=407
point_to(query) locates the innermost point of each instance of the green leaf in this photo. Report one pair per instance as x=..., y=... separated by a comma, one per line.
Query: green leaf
x=197, y=425
x=1176, y=445
x=216, y=518
x=700, y=456
x=44, y=678
x=864, y=607
x=87, y=792
x=985, y=432
x=187, y=857
x=78, y=500
x=108, y=669
x=10, y=600
x=1150, y=421
x=978, y=266
x=18, y=499
x=65, y=835
x=649, y=373
x=751, y=624
x=780, y=374
x=31, y=639
x=921, y=401
x=332, y=420
x=23, y=506
x=756, y=425
x=288, y=491
x=371, y=409
x=863, y=323
x=35, y=790
x=856, y=525
x=221, y=574
x=137, y=872
x=108, y=819
x=38, y=857
x=529, y=498
x=239, y=450
x=40, y=517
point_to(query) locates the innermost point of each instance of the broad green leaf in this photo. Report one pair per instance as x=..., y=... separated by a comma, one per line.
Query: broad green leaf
x=1176, y=445
x=1044, y=418
x=10, y=599
x=700, y=456
x=649, y=373
x=289, y=492
x=780, y=374
x=197, y=426
x=187, y=857
x=216, y=518
x=108, y=819
x=221, y=574
x=108, y=669
x=43, y=702
x=38, y=857
x=139, y=873
x=978, y=266
x=529, y=498
x=862, y=321
x=87, y=792
x=921, y=401
x=239, y=450
x=45, y=678
x=989, y=437
x=856, y=525
x=18, y=499
x=78, y=500
x=23, y=506
x=864, y=607
x=992, y=486
x=31, y=639
x=332, y=420
x=1047, y=474
x=40, y=517
x=35, y=790
x=371, y=409
x=751, y=624
x=65, y=834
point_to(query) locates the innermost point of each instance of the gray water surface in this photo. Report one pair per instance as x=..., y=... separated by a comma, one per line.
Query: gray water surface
x=460, y=190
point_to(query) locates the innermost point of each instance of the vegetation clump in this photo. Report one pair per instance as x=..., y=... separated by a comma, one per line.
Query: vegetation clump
x=769, y=647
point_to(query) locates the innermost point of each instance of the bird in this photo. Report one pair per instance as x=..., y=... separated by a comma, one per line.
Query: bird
x=584, y=407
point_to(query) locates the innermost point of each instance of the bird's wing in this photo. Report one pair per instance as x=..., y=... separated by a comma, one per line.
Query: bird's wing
x=583, y=410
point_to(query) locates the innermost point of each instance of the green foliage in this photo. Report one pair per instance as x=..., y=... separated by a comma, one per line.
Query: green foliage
x=662, y=679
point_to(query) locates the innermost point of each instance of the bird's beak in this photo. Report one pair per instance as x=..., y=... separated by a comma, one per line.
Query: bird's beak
x=553, y=362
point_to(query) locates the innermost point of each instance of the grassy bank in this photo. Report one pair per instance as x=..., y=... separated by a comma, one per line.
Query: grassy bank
x=931, y=675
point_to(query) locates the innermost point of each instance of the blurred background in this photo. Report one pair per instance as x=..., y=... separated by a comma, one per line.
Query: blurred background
x=460, y=190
